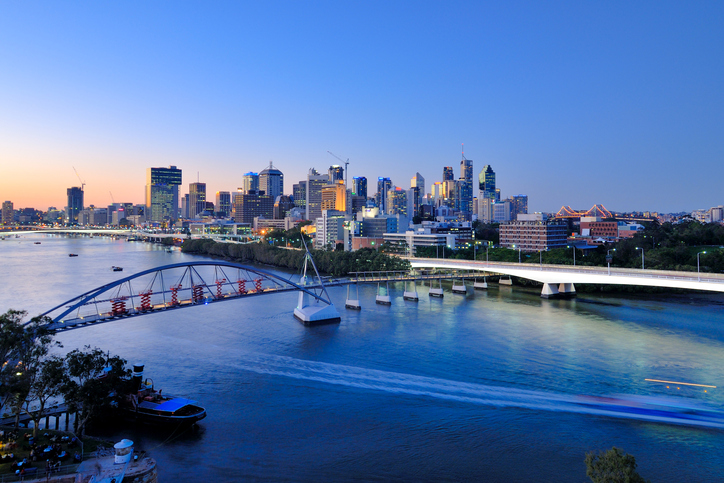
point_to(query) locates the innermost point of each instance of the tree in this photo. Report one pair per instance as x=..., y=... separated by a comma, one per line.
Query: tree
x=612, y=466
x=47, y=383
x=96, y=383
x=22, y=348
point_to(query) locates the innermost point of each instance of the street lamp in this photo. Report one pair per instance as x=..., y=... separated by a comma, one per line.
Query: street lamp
x=698, y=273
x=642, y=257
x=609, y=258
x=574, y=253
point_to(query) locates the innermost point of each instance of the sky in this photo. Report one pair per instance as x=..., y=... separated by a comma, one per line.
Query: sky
x=571, y=103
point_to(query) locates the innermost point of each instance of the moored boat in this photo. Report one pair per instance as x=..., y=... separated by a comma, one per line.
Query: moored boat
x=148, y=405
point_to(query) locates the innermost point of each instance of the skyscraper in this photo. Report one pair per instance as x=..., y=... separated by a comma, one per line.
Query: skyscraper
x=249, y=182
x=334, y=196
x=359, y=186
x=223, y=203
x=383, y=186
x=486, y=183
x=464, y=189
x=315, y=181
x=336, y=173
x=448, y=174
x=271, y=181
x=162, y=193
x=197, y=199
x=7, y=213
x=299, y=192
x=75, y=205
x=519, y=206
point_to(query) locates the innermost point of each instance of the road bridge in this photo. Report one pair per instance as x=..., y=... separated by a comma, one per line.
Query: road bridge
x=560, y=280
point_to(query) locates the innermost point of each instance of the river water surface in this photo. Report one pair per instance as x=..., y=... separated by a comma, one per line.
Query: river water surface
x=467, y=388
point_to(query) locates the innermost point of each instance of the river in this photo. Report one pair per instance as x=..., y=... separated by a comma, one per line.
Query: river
x=427, y=391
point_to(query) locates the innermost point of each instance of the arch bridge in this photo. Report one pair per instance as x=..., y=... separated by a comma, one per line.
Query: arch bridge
x=176, y=286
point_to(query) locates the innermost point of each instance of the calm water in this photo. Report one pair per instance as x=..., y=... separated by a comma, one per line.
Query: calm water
x=412, y=392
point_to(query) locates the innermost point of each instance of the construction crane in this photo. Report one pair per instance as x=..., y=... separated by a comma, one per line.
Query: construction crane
x=82, y=183
x=346, y=163
x=112, y=198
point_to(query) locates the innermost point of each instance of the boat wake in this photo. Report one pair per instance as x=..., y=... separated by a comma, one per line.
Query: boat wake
x=667, y=410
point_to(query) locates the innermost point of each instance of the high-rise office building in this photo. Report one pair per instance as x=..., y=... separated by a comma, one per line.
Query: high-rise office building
x=197, y=199
x=464, y=190
x=315, y=182
x=299, y=192
x=247, y=206
x=519, y=206
x=223, y=203
x=383, y=186
x=397, y=202
x=282, y=205
x=249, y=182
x=486, y=183
x=448, y=174
x=359, y=186
x=334, y=196
x=7, y=213
x=75, y=205
x=162, y=197
x=418, y=181
x=336, y=173
x=271, y=181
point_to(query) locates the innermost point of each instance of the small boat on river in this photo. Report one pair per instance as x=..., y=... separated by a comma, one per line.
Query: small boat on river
x=117, y=269
x=72, y=254
x=148, y=405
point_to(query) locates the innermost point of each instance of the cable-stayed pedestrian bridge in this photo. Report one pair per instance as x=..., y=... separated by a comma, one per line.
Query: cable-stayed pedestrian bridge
x=560, y=279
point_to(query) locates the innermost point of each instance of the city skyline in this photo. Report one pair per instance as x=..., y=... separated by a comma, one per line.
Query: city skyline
x=573, y=104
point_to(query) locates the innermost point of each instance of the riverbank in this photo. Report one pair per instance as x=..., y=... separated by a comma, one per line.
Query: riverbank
x=335, y=263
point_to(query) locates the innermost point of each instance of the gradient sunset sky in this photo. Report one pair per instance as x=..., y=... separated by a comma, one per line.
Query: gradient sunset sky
x=571, y=103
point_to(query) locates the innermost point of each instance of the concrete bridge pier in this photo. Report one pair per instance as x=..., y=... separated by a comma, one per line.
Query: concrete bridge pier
x=436, y=292
x=383, y=294
x=562, y=290
x=411, y=294
x=459, y=287
x=480, y=285
x=566, y=290
x=350, y=302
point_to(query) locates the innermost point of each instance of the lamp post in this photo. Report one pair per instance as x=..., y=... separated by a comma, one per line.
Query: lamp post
x=698, y=273
x=642, y=256
x=518, y=255
x=574, y=253
x=487, y=247
x=609, y=258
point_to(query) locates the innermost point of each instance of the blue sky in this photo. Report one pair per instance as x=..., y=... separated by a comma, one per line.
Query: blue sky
x=572, y=103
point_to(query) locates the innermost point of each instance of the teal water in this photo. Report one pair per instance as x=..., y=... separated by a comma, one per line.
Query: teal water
x=464, y=388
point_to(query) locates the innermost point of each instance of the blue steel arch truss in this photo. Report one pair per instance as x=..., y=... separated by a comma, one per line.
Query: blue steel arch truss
x=171, y=287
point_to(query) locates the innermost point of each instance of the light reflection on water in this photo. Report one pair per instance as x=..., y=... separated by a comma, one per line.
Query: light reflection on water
x=387, y=393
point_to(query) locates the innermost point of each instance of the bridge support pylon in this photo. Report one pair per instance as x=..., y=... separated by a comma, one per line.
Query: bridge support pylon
x=562, y=290
x=383, y=295
x=459, y=288
x=566, y=290
x=351, y=303
x=480, y=285
x=411, y=294
x=436, y=292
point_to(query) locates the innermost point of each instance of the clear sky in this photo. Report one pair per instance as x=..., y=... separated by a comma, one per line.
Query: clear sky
x=571, y=103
